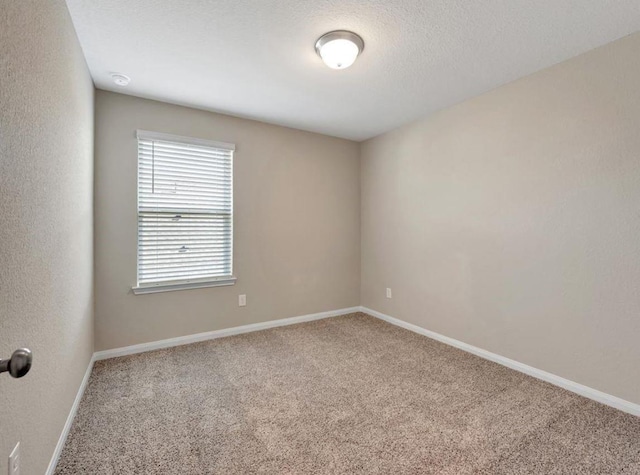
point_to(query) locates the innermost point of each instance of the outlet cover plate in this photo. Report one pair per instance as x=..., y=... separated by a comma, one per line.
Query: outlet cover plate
x=14, y=460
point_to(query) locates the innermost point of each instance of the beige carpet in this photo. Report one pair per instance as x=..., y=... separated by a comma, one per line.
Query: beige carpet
x=343, y=395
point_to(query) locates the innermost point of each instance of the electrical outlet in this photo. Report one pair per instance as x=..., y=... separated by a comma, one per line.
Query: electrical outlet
x=388, y=293
x=242, y=300
x=14, y=460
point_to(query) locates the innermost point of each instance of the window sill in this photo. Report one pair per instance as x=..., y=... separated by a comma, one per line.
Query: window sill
x=170, y=287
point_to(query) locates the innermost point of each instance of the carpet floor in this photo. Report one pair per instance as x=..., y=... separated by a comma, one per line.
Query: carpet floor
x=349, y=394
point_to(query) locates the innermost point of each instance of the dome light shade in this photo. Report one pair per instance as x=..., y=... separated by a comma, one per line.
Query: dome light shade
x=339, y=49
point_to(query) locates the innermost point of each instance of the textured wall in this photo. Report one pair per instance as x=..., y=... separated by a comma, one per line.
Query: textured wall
x=512, y=221
x=296, y=226
x=46, y=277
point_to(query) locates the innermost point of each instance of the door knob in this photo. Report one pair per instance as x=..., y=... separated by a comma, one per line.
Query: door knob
x=19, y=364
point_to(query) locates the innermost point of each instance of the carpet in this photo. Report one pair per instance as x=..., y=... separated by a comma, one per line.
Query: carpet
x=343, y=395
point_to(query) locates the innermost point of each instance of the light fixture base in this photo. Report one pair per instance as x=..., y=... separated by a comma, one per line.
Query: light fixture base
x=339, y=35
x=120, y=79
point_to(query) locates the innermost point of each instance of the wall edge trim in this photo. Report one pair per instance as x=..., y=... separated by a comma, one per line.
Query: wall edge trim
x=212, y=335
x=169, y=343
x=70, y=417
x=577, y=388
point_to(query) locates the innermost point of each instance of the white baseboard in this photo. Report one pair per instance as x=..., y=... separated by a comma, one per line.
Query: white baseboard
x=212, y=335
x=577, y=388
x=182, y=340
x=572, y=386
x=72, y=414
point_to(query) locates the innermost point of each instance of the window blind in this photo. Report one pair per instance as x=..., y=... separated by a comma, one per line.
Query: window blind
x=185, y=209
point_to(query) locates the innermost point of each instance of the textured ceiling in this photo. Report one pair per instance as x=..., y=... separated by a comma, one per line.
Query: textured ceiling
x=255, y=58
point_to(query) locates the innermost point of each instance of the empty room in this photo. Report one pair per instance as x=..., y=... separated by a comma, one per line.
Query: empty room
x=328, y=237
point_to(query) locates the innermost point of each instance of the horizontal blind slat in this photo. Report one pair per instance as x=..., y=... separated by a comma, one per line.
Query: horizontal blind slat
x=173, y=146
x=162, y=197
x=187, y=165
x=185, y=270
x=149, y=186
x=216, y=161
x=188, y=274
x=160, y=154
x=172, y=259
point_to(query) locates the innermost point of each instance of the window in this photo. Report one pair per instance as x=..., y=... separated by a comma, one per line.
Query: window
x=185, y=213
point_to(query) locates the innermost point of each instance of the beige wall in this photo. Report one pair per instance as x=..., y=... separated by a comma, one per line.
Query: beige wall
x=46, y=201
x=296, y=227
x=512, y=221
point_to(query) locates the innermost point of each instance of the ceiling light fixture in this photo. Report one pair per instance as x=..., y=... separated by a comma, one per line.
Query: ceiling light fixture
x=339, y=49
x=120, y=79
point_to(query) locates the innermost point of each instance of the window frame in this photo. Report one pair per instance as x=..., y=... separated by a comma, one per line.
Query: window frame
x=193, y=283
